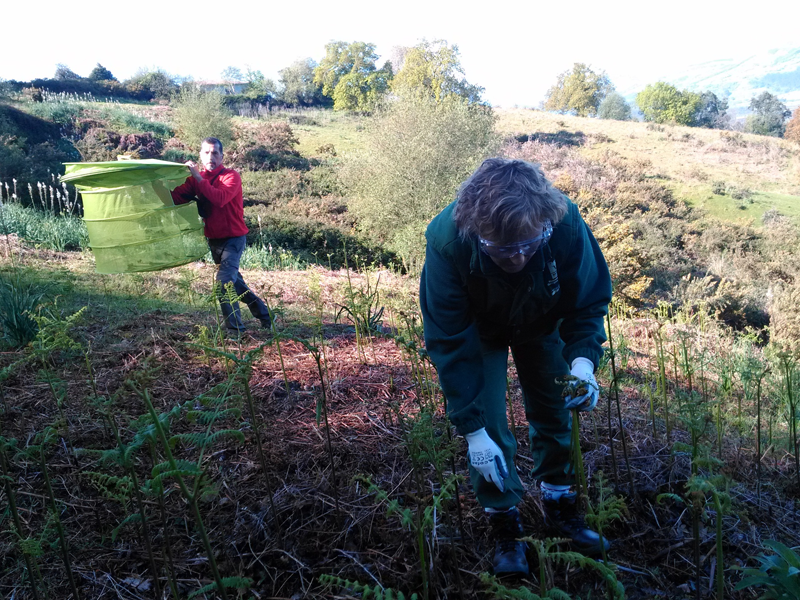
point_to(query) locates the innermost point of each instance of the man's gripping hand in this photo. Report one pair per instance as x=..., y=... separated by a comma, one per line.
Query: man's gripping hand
x=583, y=390
x=487, y=458
x=194, y=170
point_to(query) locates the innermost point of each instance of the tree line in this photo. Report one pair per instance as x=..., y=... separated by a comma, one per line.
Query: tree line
x=583, y=92
x=346, y=78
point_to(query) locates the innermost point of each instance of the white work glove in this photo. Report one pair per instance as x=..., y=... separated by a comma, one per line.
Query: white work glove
x=487, y=457
x=583, y=369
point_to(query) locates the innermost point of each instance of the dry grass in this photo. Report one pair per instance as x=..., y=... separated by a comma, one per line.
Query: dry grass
x=358, y=542
x=687, y=159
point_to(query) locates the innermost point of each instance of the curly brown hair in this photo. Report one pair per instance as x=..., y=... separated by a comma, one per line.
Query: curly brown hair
x=506, y=198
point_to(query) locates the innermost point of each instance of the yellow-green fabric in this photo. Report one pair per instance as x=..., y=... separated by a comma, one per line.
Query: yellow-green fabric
x=133, y=223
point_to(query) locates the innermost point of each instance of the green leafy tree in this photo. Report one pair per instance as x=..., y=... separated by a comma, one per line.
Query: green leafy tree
x=712, y=112
x=769, y=115
x=200, y=114
x=578, y=91
x=298, y=87
x=664, y=103
x=63, y=73
x=349, y=76
x=432, y=69
x=155, y=84
x=258, y=86
x=793, y=127
x=417, y=152
x=231, y=76
x=614, y=107
x=100, y=73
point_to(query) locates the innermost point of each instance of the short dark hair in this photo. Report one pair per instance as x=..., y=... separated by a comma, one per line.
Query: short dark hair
x=504, y=197
x=215, y=141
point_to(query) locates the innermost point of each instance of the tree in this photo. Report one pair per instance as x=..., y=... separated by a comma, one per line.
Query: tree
x=614, y=107
x=432, y=69
x=769, y=116
x=231, y=76
x=579, y=91
x=156, y=83
x=664, y=103
x=63, y=72
x=712, y=112
x=297, y=84
x=259, y=87
x=417, y=152
x=348, y=75
x=792, y=132
x=100, y=73
x=200, y=114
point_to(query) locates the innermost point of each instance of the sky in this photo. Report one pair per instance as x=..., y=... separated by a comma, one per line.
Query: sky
x=514, y=49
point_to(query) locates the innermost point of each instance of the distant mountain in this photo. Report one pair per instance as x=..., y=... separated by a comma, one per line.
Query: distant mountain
x=739, y=79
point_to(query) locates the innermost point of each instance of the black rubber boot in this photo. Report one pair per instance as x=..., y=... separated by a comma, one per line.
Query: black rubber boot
x=509, y=554
x=563, y=519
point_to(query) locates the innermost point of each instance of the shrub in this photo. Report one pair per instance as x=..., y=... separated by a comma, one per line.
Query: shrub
x=266, y=147
x=18, y=300
x=416, y=155
x=141, y=145
x=200, y=114
x=99, y=144
x=792, y=132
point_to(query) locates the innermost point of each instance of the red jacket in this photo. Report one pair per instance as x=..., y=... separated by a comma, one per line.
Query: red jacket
x=222, y=189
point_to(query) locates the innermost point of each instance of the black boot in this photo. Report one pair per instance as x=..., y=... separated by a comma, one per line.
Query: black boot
x=563, y=519
x=509, y=554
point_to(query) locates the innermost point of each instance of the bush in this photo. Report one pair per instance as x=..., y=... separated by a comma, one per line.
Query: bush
x=792, y=132
x=416, y=155
x=266, y=147
x=18, y=300
x=614, y=107
x=99, y=145
x=200, y=114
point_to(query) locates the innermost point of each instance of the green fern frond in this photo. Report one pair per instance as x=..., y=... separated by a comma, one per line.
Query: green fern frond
x=500, y=592
x=204, y=417
x=110, y=486
x=229, y=583
x=367, y=592
x=132, y=518
x=203, y=440
x=185, y=468
x=31, y=547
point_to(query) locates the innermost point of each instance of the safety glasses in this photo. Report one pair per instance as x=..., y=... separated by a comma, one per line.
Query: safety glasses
x=526, y=247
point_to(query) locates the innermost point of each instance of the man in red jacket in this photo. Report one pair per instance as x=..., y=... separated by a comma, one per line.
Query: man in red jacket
x=218, y=192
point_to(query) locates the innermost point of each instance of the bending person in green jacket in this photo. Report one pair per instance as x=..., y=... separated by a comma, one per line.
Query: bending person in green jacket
x=511, y=264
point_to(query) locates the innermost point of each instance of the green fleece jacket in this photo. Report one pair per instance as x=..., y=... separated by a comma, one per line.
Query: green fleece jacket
x=466, y=298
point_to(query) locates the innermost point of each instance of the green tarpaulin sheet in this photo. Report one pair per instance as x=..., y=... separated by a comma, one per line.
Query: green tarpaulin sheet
x=132, y=221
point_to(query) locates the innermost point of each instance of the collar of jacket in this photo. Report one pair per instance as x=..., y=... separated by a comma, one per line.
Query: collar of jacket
x=214, y=173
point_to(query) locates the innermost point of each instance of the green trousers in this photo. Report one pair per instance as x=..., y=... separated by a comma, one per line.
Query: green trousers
x=539, y=363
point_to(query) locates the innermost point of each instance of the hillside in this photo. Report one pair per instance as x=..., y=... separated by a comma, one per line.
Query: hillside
x=739, y=79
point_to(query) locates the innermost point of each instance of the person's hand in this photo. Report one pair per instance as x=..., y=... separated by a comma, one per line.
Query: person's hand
x=193, y=168
x=487, y=458
x=582, y=390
